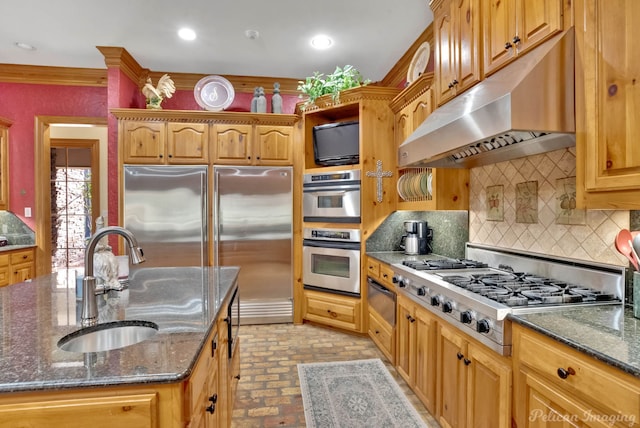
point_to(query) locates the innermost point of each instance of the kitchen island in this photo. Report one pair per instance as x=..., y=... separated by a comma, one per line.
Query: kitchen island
x=150, y=382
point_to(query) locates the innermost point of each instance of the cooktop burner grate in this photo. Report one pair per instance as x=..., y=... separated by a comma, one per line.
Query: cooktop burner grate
x=521, y=289
x=443, y=264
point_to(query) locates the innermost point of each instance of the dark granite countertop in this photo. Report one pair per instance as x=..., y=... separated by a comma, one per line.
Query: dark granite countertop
x=15, y=247
x=607, y=333
x=35, y=315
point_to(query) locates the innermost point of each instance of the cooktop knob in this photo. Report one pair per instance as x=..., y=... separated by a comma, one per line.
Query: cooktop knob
x=483, y=326
x=466, y=317
x=422, y=291
x=395, y=279
x=435, y=301
x=401, y=281
x=447, y=307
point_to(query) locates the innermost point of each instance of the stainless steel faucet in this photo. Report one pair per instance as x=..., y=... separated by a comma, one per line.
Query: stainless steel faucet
x=89, y=315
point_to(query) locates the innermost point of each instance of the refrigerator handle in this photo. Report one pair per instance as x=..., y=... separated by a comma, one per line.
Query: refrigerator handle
x=216, y=217
x=203, y=212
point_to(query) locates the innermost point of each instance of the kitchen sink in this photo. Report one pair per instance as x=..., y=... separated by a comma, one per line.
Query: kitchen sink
x=108, y=336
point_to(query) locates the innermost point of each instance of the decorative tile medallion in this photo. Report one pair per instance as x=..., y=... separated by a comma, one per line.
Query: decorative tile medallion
x=527, y=202
x=495, y=203
x=566, y=211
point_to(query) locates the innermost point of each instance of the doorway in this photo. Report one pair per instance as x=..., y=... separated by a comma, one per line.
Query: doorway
x=75, y=183
x=74, y=129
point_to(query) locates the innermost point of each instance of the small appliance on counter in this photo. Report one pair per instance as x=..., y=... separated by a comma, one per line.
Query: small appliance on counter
x=3, y=241
x=417, y=239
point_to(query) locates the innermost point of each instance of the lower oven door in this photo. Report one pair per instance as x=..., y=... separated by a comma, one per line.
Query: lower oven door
x=383, y=301
x=331, y=266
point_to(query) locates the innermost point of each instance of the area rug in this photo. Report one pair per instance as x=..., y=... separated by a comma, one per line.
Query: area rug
x=353, y=394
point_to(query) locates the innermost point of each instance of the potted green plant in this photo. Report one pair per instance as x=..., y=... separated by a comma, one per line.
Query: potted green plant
x=318, y=85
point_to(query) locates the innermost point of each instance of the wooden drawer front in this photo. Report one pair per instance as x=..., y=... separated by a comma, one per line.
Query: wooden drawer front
x=382, y=335
x=373, y=268
x=21, y=257
x=386, y=276
x=4, y=260
x=597, y=382
x=126, y=411
x=342, y=312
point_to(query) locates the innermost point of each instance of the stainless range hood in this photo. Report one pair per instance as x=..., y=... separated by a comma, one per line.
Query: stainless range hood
x=526, y=108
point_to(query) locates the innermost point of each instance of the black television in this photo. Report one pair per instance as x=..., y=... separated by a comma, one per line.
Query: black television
x=337, y=143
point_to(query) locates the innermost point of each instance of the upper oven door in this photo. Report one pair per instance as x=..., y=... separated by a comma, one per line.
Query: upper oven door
x=335, y=269
x=337, y=204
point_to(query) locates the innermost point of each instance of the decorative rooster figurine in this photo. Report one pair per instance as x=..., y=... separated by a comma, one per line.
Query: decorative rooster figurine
x=165, y=88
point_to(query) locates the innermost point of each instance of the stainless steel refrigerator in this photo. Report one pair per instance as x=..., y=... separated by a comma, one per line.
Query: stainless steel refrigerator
x=253, y=229
x=166, y=207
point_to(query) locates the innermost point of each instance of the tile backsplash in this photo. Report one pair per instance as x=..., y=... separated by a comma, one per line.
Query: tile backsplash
x=591, y=240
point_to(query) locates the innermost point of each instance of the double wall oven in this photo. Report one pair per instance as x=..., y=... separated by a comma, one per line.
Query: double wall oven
x=332, y=197
x=478, y=293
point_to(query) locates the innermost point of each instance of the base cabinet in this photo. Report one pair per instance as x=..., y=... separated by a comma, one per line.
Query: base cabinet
x=555, y=385
x=343, y=312
x=17, y=266
x=474, y=383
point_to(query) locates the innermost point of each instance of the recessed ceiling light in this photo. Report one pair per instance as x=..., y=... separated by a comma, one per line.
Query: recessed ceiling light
x=187, y=34
x=252, y=34
x=25, y=46
x=321, y=41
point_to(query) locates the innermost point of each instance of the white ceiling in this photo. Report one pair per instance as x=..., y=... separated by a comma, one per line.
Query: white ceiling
x=371, y=35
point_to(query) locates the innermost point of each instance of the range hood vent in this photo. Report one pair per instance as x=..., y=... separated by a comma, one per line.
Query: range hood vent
x=524, y=109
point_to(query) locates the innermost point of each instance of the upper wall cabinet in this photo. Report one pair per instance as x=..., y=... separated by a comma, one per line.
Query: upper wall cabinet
x=196, y=137
x=4, y=163
x=239, y=144
x=608, y=94
x=512, y=27
x=457, y=53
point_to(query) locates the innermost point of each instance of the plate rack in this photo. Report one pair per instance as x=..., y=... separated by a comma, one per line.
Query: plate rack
x=415, y=184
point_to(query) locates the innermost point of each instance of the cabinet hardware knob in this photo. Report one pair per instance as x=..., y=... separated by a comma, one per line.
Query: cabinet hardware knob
x=377, y=332
x=214, y=398
x=412, y=319
x=455, y=82
x=450, y=85
x=516, y=39
x=563, y=374
x=211, y=408
x=170, y=156
x=160, y=156
x=237, y=376
x=507, y=46
x=467, y=361
x=459, y=355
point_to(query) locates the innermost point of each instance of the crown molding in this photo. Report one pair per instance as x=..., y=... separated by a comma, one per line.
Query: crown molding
x=119, y=57
x=45, y=75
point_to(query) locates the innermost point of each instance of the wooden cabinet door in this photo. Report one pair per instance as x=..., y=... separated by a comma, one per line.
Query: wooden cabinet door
x=611, y=127
x=405, y=332
x=537, y=21
x=512, y=27
x=273, y=145
x=488, y=389
x=425, y=366
x=232, y=144
x=445, y=52
x=22, y=272
x=466, y=25
x=187, y=143
x=450, y=390
x=549, y=407
x=499, y=19
x=144, y=142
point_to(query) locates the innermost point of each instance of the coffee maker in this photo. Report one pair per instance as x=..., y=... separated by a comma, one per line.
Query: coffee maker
x=418, y=237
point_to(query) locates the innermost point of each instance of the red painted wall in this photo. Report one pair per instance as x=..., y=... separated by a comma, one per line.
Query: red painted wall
x=21, y=103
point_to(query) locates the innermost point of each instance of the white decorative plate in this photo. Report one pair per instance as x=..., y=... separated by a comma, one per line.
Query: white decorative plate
x=419, y=62
x=214, y=93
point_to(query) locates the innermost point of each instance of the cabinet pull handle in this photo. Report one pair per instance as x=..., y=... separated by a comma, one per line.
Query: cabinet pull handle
x=507, y=46
x=455, y=82
x=459, y=355
x=563, y=374
x=237, y=376
x=467, y=361
x=214, y=346
x=211, y=408
x=516, y=39
x=214, y=398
